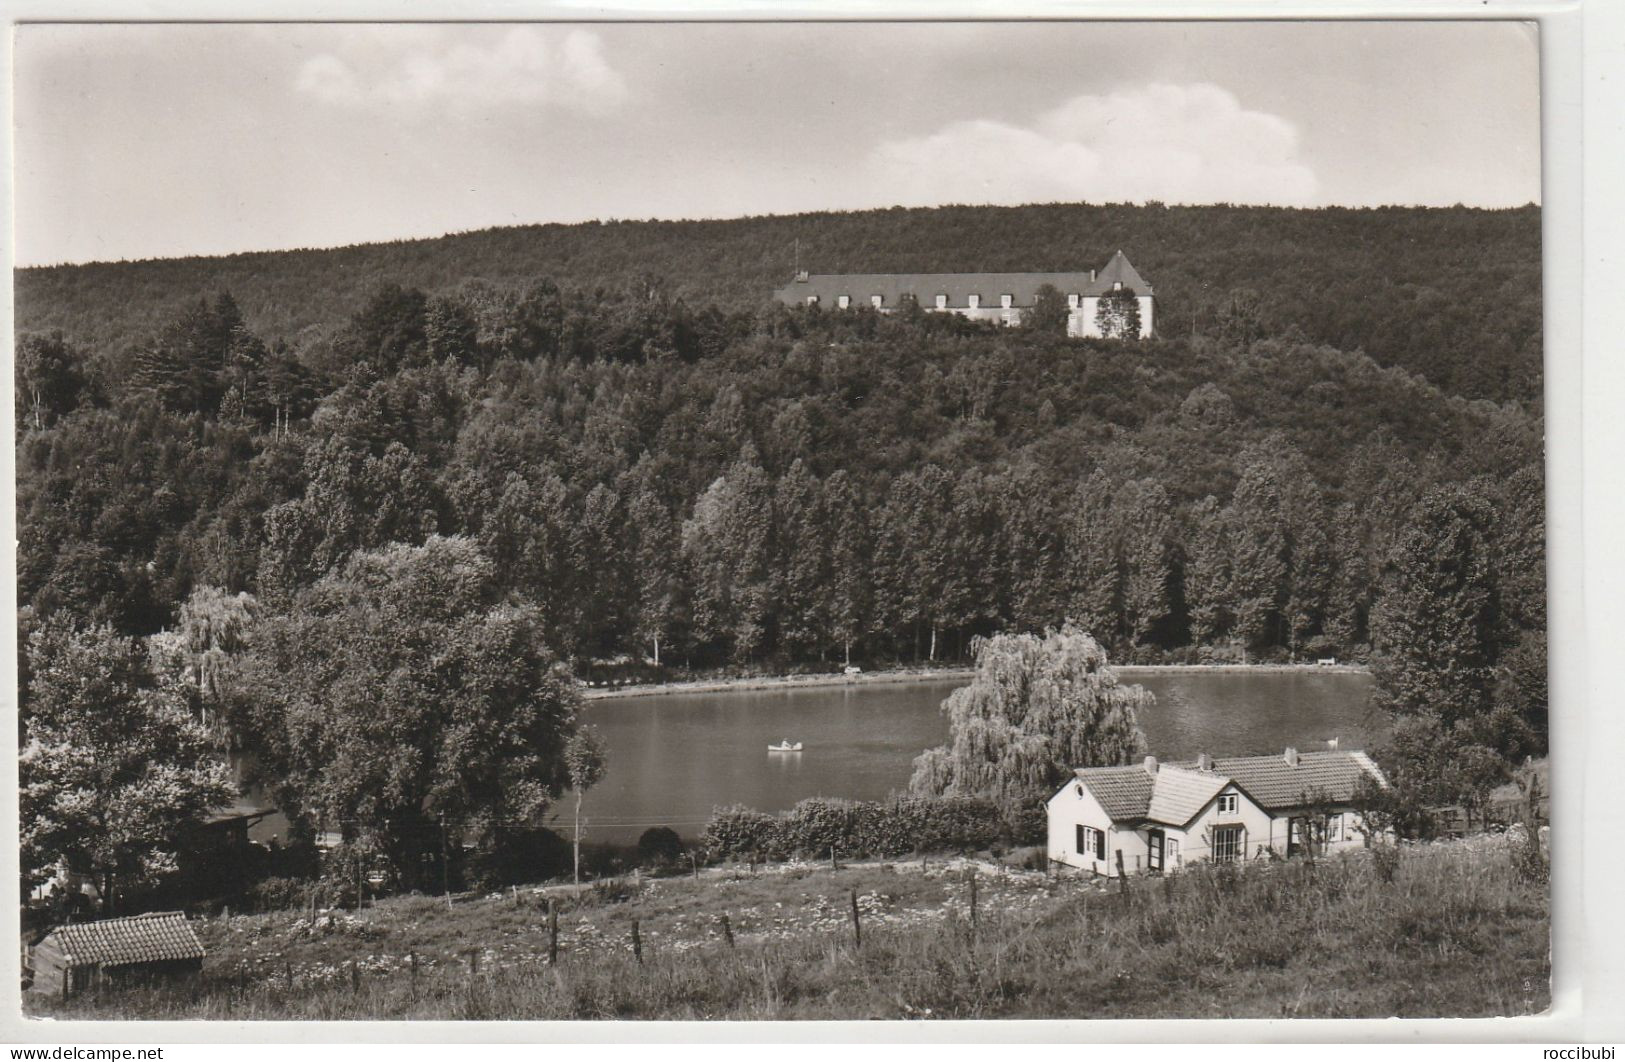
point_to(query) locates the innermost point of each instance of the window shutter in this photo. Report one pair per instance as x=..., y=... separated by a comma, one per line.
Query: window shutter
x=1100, y=844
x=1082, y=841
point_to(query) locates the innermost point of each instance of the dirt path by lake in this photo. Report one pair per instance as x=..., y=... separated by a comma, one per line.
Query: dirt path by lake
x=792, y=682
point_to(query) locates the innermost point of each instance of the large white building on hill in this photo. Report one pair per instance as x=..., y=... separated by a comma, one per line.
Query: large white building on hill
x=1000, y=297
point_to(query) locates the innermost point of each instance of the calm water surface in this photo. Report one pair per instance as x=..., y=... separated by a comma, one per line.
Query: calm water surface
x=673, y=758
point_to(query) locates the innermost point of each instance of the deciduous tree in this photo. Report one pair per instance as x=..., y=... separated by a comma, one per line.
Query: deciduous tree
x=1037, y=707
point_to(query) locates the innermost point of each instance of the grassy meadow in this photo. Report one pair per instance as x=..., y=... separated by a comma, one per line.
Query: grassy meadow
x=1450, y=929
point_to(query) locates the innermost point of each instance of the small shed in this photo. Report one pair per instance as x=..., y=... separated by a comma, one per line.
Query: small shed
x=149, y=947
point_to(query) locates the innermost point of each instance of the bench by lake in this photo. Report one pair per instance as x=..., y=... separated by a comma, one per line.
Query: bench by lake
x=672, y=758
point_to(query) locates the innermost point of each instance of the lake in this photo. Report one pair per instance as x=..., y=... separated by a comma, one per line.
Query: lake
x=674, y=757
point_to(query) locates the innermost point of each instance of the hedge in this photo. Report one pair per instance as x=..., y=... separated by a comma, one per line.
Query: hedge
x=855, y=828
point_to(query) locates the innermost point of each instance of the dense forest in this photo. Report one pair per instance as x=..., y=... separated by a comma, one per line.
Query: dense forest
x=1452, y=295
x=361, y=474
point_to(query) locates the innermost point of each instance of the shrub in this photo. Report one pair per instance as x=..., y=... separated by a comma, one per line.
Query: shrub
x=1530, y=861
x=740, y=831
x=1385, y=859
x=857, y=828
x=516, y=857
x=659, y=844
x=282, y=894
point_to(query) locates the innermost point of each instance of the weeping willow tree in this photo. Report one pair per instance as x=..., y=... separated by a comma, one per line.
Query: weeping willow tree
x=1037, y=708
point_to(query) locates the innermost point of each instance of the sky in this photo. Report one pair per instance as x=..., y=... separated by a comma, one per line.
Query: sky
x=143, y=141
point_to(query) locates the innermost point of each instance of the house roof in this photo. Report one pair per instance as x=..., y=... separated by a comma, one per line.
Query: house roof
x=1270, y=780
x=958, y=287
x=120, y=941
x=1123, y=792
x=1176, y=792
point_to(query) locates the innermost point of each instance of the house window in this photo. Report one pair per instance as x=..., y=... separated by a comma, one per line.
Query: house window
x=1334, y=827
x=975, y=301
x=1006, y=300
x=1072, y=301
x=1227, y=804
x=812, y=300
x=1117, y=285
x=942, y=302
x=844, y=301
x=877, y=301
x=1227, y=847
x=1092, y=842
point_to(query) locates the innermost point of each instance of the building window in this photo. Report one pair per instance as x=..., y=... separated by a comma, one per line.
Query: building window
x=1072, y=301
x=877, y=301
x=1334, y=827
x=1092, y=842
x=844, y=301
x=1117, y=285
x=1227, y=804
x=975, y=301
x=812, y=300
x=942, y=302
x=1227, y=847
x=1006, y=300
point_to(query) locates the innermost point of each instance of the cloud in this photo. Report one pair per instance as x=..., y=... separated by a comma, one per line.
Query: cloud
x=1174, y=143
x=525, y=66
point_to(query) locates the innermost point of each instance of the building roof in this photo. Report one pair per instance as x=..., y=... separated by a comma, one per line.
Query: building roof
x=958, y=287
x=1178, y=794
x=1174, y=793
x=1120, y=269
x=1123, y=792
x=157, y=937
x=1270, y=780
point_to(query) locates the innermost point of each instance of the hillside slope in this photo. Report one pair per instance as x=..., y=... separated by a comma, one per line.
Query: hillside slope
x=1450, y=294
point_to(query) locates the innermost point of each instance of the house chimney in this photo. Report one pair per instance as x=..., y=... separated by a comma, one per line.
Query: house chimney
x=1204, y=762
x=801, y=277
x=1150, y=765
x=1091, y=274
x=1291, y=756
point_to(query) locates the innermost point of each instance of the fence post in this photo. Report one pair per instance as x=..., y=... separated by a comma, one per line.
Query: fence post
x=833, y=863
x=413, y=958
x=473, y=962
x=695, y=864
x=727, y=930
x=288, y=969
x=857, y=923
x=1122, y=878
x=971, y=875
x=552, y=931
x=637, y=943
x=355, y=977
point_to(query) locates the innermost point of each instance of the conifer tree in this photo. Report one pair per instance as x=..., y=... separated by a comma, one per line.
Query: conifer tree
x=850, y=590
x=1147, y=519
x=1092, y=572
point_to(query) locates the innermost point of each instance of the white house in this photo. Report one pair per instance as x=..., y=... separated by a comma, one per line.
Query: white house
x=1160, y=816
x=1000, y=297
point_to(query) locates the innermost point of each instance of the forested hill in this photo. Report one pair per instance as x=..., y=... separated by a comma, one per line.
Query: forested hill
x=1452, y=295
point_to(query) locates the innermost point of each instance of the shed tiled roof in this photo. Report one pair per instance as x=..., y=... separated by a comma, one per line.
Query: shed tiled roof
x=120, y=941
x=958, y=287
x=1123, y=792
x=1274, y=783
x=1178, y=794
